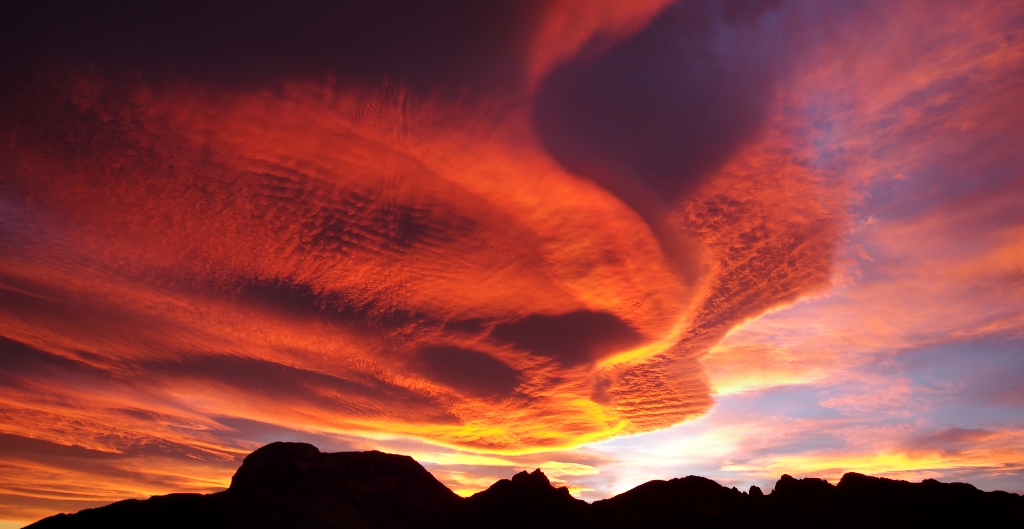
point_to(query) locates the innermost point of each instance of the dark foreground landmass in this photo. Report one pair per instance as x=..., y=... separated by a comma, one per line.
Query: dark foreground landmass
x=294, y=485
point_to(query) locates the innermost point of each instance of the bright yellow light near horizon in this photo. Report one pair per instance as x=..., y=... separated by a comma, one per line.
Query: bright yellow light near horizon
x=441, y=458
x=558, y=468
x=833, y=467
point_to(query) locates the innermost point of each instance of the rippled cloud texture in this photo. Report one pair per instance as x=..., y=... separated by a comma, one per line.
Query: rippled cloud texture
x=616, y=241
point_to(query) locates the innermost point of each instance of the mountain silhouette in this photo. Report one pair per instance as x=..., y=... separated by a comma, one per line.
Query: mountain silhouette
x=294, y=485
x=527, y=500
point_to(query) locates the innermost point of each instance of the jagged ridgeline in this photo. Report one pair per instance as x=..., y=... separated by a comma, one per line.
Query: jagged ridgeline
x=294, y=485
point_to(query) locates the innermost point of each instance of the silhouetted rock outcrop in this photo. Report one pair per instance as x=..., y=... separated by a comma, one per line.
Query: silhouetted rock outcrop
x=527, y=500
x=347, y=489
x=294, y=485
x=878, y=502
x=682, y=502
x=802, y=502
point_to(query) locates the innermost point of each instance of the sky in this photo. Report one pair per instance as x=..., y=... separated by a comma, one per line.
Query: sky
x=616, y=241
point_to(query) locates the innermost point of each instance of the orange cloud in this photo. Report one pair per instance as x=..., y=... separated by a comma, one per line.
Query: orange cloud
x=343, y=260
x=572, y=25
x=374, y=265
x=384, y=271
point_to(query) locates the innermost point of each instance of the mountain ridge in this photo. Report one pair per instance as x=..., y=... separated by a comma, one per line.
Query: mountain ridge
x=295, y=485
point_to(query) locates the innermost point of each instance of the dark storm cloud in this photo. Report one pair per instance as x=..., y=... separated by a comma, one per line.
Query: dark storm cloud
x=297, y=300
x=469, y=371
x=655, y=114
x=288, y=384
x=445, y=46
x=571, y=339
x=28, y=449
x=282, y=383
x=21, y=360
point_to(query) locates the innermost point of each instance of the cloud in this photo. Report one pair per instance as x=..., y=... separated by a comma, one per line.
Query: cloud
x=569, y=25
x=363, y=243
x=200, y=264
x=536, y=234
x=380, y=261
x=660, y=111
x=468, y=371
x=572, y=338
x=447, y=47
x=41, y=476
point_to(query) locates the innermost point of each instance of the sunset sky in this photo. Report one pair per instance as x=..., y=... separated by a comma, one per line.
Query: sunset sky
x=614, y=240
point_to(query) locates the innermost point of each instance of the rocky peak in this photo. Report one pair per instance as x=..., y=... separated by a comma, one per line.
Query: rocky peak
x=290, y=468
x=535, y=479
x=527, y=500
x=370, y=489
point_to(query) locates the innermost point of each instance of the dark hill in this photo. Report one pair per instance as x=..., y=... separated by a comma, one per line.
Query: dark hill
x=682, y=502
x=294, y=485
x=527, y=500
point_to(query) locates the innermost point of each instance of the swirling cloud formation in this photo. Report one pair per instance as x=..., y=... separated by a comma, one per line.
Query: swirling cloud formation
x=347, y=258
x=498, y=228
